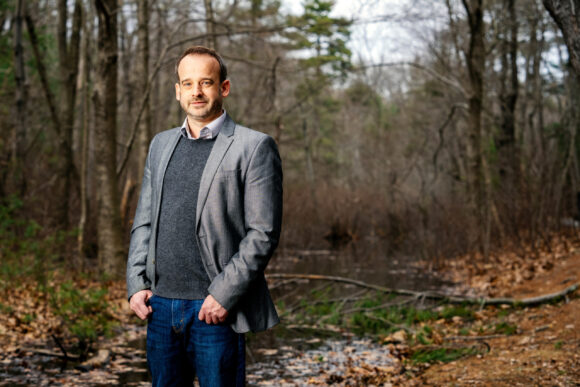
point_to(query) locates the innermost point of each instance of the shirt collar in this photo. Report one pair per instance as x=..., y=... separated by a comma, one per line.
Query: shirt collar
x=208, y=132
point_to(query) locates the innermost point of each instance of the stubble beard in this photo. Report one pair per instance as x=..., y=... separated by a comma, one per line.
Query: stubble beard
x=208, y=112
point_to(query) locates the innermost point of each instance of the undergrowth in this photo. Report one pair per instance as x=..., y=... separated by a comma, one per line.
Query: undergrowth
x=31, y=255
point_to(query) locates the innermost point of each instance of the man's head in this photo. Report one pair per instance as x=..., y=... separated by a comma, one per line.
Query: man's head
x=201, y=86
x=201, y=50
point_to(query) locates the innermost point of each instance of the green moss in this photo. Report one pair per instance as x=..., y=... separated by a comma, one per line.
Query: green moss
x=505, y=328
x=461, y=311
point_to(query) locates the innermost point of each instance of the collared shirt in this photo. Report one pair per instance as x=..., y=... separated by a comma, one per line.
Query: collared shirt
x=208, y=132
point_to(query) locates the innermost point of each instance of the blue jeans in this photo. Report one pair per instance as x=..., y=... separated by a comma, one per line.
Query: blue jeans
x=179, y=347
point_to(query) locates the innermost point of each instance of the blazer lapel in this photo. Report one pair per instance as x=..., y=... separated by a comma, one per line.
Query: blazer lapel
x=222, y=143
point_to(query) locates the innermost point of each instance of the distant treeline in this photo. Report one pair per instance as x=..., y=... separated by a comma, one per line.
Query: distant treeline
x=470, y=144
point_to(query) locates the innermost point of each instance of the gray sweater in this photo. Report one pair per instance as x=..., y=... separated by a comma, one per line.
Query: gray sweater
x=179, y=269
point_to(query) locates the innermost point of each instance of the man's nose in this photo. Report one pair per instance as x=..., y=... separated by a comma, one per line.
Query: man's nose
x=196, y=90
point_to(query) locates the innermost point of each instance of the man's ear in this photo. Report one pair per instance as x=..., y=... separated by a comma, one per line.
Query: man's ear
x=177, y=92
x=225, y=88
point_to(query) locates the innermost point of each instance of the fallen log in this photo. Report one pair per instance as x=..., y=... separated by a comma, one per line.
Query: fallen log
x=451, y=299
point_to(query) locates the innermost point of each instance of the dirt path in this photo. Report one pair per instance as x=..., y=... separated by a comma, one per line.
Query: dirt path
x=545, y=348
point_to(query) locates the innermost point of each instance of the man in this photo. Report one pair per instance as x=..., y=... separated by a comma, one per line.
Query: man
x=207, y=222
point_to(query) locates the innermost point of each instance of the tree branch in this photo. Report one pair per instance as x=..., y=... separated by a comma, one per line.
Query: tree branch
x=434, y=74
x=42, y=73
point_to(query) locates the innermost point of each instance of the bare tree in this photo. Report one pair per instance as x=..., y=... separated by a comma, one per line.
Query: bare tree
x=20, y=120
x=475, y=60
x=68, y=59
x=508, y=94
x=566, y=14
x=144, y=135
x=105, y=104
x=210, y=24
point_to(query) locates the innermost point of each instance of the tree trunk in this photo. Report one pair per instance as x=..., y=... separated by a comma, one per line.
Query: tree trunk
x=84, y=172
x=566, y=14
x=105, y=104
x=68, y=69
x=211, y=40
x=128, y=79
x=507, y=146
x=144, y=133
x=17, y=180
x=475, y=60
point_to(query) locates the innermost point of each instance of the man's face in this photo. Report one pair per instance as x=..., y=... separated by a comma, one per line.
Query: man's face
x=199, y=91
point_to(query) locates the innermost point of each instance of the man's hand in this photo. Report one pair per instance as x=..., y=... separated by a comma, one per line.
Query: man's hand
x=212, y=312
x=139, y=305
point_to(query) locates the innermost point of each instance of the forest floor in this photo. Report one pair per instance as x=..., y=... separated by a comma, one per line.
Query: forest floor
x=497, y=346
x=543, y=348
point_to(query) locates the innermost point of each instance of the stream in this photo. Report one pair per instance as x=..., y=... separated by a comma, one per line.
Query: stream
x=283, y=356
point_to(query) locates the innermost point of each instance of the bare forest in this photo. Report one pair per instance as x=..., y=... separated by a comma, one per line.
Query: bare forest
x=459, y=147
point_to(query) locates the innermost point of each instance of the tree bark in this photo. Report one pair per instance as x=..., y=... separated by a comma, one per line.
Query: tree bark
x=210, y=25
x=475, y=60
x=566, y=14
x=509, y=87
x=69, y=54
x=144, y=133
x=84, y=170
x=18, y=182
x=105, y=104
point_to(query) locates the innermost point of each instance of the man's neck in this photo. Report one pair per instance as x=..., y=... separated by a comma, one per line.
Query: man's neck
x=195, y=127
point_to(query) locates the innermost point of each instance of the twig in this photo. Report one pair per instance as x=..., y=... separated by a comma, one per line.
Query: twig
x=476, y=338
x=57, y=341
x=46, y=352
x=326, y=328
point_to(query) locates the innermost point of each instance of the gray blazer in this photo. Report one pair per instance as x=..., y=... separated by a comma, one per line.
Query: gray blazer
x=239, y=214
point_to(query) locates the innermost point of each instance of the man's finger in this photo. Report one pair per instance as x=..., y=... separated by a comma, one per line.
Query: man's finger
x=142, y=311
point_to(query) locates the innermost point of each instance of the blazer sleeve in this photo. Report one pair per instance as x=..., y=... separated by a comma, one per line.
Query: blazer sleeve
x=262, y=219
x=140, y=235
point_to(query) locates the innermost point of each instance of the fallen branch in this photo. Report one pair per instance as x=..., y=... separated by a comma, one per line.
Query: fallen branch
x=57, y=341
x=451, y=299
x=325, y=328
x=470, y=338
x=47, y=352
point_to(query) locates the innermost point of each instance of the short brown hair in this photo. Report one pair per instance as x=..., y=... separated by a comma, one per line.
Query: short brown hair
x=201, y=50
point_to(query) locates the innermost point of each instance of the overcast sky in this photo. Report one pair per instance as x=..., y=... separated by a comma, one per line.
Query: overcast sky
x=385, y=30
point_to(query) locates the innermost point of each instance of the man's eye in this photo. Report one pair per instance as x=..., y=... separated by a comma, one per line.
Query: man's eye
x=205, y=83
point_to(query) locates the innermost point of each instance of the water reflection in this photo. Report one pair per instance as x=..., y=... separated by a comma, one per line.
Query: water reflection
x=367, y=262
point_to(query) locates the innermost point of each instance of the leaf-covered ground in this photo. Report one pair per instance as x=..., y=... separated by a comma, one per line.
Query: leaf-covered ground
x=490, y=346
x=544, y=347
